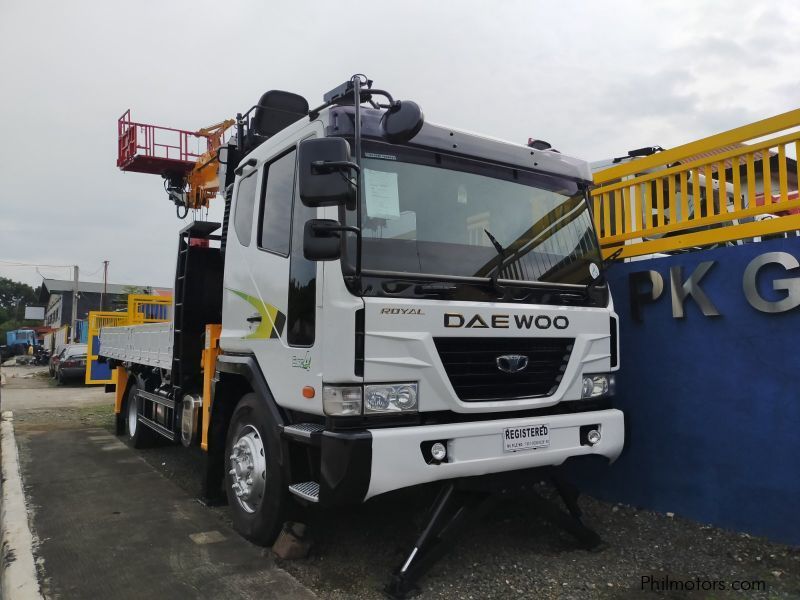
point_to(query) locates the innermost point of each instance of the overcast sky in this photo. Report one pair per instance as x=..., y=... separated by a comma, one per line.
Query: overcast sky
x=593, y=78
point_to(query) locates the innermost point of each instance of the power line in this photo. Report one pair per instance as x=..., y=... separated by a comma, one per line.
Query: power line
x=14, y=263
x=37, y=266
x=100, y=268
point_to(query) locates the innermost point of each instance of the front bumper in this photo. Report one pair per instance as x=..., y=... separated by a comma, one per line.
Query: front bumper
x=359, y=465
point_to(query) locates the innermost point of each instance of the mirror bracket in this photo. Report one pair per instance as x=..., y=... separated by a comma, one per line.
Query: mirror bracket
x=322, y=167
x=250, y=162
x=326, y=228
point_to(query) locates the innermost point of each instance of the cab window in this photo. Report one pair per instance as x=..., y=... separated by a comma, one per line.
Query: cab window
x=276, y=204
x=245, y=202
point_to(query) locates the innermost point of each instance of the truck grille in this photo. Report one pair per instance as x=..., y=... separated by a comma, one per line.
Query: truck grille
x=471, y=365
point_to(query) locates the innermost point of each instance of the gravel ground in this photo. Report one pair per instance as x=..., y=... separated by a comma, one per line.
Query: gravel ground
x=511, y=553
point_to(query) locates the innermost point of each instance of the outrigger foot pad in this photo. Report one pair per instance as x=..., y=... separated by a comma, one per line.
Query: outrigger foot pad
x=463, y=501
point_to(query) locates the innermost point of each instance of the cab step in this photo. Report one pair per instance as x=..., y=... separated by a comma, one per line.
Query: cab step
x=308, y=490
x=306, y=433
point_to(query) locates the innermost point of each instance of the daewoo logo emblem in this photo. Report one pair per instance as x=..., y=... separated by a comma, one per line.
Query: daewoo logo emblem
x=512, y=363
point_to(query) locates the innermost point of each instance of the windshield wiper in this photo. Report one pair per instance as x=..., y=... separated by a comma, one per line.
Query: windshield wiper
x=396, y=286
x=496, y=271
x=605, y=263
x=435, y=288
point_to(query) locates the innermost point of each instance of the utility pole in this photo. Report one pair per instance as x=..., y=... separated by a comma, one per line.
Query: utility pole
x=74, y=305
x=105, y=283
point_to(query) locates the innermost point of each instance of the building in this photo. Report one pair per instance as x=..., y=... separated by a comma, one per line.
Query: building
x=56, y=295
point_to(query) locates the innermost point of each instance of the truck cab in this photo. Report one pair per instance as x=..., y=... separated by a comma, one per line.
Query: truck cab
x=474, y=324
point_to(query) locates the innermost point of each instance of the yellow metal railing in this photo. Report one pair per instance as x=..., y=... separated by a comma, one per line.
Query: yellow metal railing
x=704, y=192
x=97, y=320
x=142, y=308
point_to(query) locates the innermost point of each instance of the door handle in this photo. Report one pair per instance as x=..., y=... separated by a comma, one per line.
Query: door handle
x=254, y=319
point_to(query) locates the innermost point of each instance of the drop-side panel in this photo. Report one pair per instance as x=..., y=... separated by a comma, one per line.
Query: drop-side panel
x=149, y=345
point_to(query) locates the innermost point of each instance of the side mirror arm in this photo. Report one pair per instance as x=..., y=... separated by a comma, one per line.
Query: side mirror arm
x=328, y=229
x=321, y=167
x=331, y=228
x=250, y=162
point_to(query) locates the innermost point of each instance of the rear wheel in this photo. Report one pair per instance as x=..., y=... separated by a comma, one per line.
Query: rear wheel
x=137, y=435
x=256, y=487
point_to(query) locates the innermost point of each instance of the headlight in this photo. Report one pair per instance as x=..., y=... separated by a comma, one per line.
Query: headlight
x=596, y=386
x=397, y=397
x=341, y=401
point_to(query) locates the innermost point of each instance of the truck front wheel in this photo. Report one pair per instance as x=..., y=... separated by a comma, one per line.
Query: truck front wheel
x=256, y=487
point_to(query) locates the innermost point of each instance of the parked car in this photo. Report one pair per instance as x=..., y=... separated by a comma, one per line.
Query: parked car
x=54, y=359
x=72, y=363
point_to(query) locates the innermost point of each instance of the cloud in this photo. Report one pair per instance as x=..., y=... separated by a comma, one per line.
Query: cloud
x=595, y=79
x=724, y=51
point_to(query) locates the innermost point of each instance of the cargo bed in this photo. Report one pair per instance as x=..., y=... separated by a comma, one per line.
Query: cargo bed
x=149, y=344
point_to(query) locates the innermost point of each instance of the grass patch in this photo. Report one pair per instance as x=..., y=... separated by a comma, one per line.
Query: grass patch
x=98, y=415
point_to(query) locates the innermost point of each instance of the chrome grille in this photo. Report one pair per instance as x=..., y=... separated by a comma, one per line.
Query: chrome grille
x=471, y=365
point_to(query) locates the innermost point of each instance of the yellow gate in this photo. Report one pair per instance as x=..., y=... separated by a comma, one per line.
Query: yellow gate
x=142, y=308
x=97, y=372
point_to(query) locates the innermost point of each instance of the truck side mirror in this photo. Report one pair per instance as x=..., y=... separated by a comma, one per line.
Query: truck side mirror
x=321, y=239
x=325, y=172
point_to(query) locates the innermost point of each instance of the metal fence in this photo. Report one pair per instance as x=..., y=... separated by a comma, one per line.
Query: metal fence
x=60, y=338
x=731, y=186
x=95, y=373
x=142, y=308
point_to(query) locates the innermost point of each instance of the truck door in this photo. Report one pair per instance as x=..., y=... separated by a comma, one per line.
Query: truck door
x=270, y=300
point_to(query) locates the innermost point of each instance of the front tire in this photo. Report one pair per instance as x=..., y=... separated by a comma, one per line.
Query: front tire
x=255, y=484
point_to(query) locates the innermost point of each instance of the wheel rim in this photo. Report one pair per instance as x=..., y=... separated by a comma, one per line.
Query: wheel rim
x=133, y=419
x=248, y=469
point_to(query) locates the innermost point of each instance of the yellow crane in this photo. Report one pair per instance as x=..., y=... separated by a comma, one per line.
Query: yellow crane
x=202, y=180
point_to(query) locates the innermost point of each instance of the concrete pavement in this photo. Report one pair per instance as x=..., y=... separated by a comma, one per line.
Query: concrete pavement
x=29, y=387
x=108, y=525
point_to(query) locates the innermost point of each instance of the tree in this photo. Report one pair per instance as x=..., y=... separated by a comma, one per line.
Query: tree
x=14, y=296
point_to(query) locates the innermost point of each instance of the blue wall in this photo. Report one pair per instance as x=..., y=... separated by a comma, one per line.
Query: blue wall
x=82, y=328
x=99, y=371
x=712, y=404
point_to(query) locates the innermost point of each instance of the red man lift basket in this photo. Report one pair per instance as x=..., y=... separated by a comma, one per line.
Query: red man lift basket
x=157, y=150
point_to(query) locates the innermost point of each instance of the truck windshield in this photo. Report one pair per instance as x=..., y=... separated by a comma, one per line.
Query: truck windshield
x=429, y=213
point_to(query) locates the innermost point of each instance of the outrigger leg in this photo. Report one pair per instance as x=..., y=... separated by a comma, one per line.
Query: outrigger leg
x=451, y=511
x=572, y=523
x=463, y=501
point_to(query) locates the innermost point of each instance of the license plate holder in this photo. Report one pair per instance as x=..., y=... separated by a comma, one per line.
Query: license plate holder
x=526, y=437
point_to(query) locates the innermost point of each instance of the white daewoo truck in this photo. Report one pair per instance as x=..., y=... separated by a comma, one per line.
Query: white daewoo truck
x=388, y=303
